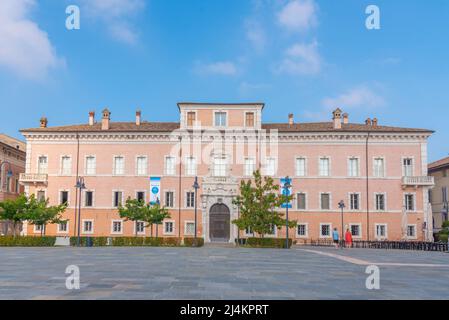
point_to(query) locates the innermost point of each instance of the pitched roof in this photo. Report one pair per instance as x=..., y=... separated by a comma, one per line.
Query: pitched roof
x=12, y=142
x=281, y=127
x=439, y=164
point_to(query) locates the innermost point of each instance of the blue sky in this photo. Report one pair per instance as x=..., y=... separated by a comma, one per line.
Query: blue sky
x=301, y=56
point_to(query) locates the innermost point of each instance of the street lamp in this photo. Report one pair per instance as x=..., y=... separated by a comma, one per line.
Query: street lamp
x=196, y=186
x=341, y=205
x=286, y=187
x=81, y=186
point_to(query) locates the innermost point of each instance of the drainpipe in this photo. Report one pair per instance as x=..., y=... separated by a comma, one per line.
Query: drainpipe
x=367, y=186
x=179, y=187
x=77, y=174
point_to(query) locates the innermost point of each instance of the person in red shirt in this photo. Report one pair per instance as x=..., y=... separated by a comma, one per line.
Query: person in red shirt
x=348, y=238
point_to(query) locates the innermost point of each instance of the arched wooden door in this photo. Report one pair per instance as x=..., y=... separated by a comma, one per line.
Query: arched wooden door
x=219, y=223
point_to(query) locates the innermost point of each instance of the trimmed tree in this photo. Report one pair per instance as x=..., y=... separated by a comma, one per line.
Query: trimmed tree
x=39, y=213
x=134, y=210
x=156, y=215
x=12, y=211
x=258, y=204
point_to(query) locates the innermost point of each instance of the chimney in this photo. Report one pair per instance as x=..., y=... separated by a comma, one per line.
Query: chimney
x=291, y=119
x=106, y=119
x=337, y=118
x=91, y=118
x=375, y=122
x=368, y=121
x=138, y=117
x=345, y=118
x=44, y=122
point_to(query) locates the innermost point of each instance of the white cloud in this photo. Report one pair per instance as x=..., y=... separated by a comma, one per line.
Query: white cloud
x=359, y=97
x=256, y=35
x=25, y=49
x=301, y=59
x=225, y=68
x=117, y=16
x=298, y=15
x=247, y=88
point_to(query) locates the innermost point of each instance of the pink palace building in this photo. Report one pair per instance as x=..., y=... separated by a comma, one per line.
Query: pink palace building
x=379, y=172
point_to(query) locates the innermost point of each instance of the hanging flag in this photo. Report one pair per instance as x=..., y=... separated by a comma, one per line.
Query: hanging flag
x=286, y=192
x=155, y=190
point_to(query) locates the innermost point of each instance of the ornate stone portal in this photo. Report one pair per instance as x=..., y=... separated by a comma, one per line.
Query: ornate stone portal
x=219, y=190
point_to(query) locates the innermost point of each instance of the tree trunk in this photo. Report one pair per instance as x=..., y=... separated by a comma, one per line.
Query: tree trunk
x=14, y=229
x=157, y=229
x=151, y=230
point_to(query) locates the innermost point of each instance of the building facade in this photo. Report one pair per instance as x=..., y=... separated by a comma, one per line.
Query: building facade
x=12, y=164
x=380, y=173
x=439, y=194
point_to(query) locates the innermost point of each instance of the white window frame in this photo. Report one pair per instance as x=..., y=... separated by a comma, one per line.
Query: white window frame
x=384, y=172
x=60, y=196
x=185, y=228
x=139, y=174
x=144, y=195
x=189, y=171
x=61, y=164
x=248, y=234
x=41, y=190
x=246, y=166
x=112, y=226
x=113, y=198
x=405, y=202
x=36, y=230
x=357, y=173
x=114, y=167
x=86, y=168
x=255, y=117
x=330, y=230
x=359, y=201
x=173, y=228
x=330, y=201
x=360, y=230
x=83, y=230
x=296, y=166
x=267, y=169
x=223, y=166
x=274, y=235
x=58, y=230
x=306, y=199
x=187, y=198
x=165, y=198
x=403, y=167
x=38, y=169
x=226, y=115
x=135, y=228
x=187, y=118
x=386, y=231
x=166, y=171
x=328, y=169
x=416, y=232
x=306, y=225
x=84, y=198
x=375, y=201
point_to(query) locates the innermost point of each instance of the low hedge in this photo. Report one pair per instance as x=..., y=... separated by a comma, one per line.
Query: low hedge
x=96, y=241
x=19, y=241
x=127, y=242
x=443, y=237
x=267, y=242
x=192, y=242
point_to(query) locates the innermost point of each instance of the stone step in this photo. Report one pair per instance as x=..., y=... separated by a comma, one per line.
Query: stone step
x=219, y=245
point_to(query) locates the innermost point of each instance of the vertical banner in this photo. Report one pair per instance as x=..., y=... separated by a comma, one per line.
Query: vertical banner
x=155, y=190
x=286, y=192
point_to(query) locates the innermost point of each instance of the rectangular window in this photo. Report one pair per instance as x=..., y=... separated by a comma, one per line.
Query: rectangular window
x=381, y=230
x=42, y=166
x=250, y=167
x=249, y=231
x=411, y=231
x=40, y=196
x=88, y=199
x=379, y=168
x=355, y=230
x=190, y=199
x=380, y=202
x=170, y=166
x=409, y=202
x=301, y=201
x=324, y=167
x=8, y=184
x=220, y=167
x=353, y=167
x=91, y=165
x=38, y=228
x=119, y=165
x=63, y=227
x=88, y=226
x=140, y=227
x=325, y=230
x=300, y=167
x=142, y=166
x=140, y=196
x=272, y=231
x=64, y=197
x=169, y=227
x=118, y=198
x=325, y=201
x=354, y=199
x=191, y=166
x=116, y=227
x=66, y=165
x=191, y=117
x=270, y=167
x=169, y=199
x=249, y=122
x=407, y=165
x=302, y=230
x=190, y=228
x=220, y=119
x=443, y=194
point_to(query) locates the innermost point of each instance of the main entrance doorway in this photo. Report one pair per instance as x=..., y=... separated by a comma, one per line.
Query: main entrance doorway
x=219, y=223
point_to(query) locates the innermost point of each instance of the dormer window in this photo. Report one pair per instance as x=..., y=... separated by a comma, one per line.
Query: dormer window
x=191, y=118
x=249, y=119
x=220, y=119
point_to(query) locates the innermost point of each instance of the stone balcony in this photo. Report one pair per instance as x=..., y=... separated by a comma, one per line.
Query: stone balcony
x=417, y=181
x=33, y=178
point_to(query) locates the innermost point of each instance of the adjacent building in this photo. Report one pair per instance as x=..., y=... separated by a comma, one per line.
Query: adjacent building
x=12, y=163
x=439, y=194
x=379, y=172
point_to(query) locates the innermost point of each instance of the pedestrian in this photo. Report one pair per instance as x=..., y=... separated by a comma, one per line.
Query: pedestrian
x=335, y=237
x=348, y=238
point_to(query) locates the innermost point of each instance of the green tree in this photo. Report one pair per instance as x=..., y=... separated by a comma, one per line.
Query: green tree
x=258, y=204
x=156, y=215
x=39, y=213
x=134, y=210
x=13, y=211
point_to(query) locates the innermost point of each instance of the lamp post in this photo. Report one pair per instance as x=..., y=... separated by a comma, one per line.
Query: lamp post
x=286, y=187
x=8, y=173
x=341, y=205
x=81, y=186
x=196, y=186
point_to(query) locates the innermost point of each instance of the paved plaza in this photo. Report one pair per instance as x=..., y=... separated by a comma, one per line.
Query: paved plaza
x=221, y=273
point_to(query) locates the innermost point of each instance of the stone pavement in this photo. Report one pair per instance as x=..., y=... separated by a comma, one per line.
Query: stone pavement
x=221, y=273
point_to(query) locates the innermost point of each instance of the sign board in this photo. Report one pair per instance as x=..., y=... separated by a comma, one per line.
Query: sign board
x=286, y=192
x=155, y=190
